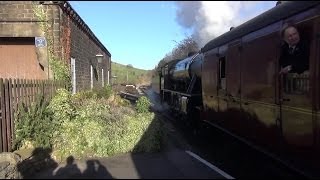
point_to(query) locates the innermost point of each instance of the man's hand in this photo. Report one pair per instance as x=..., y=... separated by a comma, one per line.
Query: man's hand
x=285, y=70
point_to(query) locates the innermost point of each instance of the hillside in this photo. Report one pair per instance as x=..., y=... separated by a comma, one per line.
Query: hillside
x=126, y=74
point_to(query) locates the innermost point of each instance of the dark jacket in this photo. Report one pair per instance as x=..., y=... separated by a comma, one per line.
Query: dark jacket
x=299, y=59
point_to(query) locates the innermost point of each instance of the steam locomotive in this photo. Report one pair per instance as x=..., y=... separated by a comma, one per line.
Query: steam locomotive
x=233, y=82
x=181, y=84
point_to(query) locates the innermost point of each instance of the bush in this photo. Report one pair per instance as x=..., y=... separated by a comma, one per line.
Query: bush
x=34, y=125
x=103, y=92
x=89, y=119
x=62, y=106
x=85, y=95
x=143, y=104
x=87, y=127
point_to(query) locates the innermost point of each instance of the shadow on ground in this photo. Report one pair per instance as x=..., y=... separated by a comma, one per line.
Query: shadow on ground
x=41, y=165
x=143, y=165
x=171, y=162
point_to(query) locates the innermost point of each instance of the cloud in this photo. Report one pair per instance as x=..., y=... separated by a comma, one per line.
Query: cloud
x=209, y=19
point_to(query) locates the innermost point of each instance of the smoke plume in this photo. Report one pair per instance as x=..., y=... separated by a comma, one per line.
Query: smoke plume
x=209, y=19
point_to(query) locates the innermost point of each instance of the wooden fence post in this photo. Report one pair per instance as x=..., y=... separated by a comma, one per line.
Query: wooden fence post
x=3, y=140
x=8, y=121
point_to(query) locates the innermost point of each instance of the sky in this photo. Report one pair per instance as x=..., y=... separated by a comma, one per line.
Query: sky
x=141, y=33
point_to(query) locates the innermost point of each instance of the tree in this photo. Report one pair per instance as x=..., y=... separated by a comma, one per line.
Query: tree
x=181, y=51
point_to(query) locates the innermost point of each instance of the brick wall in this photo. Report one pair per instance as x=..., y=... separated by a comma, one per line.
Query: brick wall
x=16, y=10
x=84, y=50
x=17, y=19
x=20, y=14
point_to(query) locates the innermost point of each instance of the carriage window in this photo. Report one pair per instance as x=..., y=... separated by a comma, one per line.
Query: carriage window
x=222, y=73
x=294, y=61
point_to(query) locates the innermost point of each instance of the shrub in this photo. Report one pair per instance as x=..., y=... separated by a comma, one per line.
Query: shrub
x=143, y=104
x=88, y=127
x=92, y=119
x=34, y=125
x=103, y=92
x=62, y=106
x=85, y=95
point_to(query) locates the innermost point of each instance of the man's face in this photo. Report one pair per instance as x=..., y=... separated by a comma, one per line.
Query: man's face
x=291, y=36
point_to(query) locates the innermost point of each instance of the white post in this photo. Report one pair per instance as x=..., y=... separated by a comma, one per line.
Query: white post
x=73, y=75
x=108, y=77
x=91, y=73
x=102, y=79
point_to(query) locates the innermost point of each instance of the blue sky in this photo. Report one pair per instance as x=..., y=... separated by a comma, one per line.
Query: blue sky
x=141, y=33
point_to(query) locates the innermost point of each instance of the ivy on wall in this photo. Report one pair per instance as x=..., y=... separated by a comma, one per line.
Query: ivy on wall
x=60, y=69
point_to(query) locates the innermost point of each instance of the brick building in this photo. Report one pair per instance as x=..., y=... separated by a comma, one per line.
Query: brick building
x=24, y=54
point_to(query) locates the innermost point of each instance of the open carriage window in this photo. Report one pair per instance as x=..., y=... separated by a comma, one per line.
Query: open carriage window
x=295, y=57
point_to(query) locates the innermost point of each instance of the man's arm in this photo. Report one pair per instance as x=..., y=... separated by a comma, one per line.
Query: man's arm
x=285, y=67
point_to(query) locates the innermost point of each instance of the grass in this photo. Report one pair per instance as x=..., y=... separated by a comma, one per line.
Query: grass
x=127, y=74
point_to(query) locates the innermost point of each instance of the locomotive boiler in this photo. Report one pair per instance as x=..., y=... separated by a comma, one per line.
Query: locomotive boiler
x=181, y=83
x=181, y=73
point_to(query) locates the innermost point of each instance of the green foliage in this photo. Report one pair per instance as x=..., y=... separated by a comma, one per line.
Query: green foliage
x=96, y=92
x=121, y=72
x=90, y=120
x=34, y=125
x=143, y=105
x=62, y=106
x=84, y=95
x=123, y=102
x=87, y=127
x=103, y=92
x=61, y=71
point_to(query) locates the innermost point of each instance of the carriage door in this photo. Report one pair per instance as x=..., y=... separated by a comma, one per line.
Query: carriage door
x=233, y=65
x=296, y=97
x=222, y=82
x=315, y=80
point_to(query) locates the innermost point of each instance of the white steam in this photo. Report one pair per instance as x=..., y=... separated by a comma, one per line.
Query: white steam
x=209, y=19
